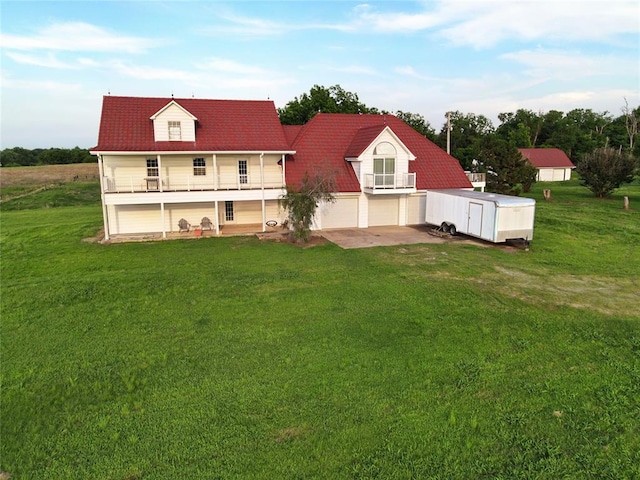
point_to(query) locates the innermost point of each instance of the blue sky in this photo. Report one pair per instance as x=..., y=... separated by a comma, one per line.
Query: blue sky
x=58, y=59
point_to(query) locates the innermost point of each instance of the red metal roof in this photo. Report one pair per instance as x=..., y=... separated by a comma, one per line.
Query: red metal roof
x=250, y=125
x=325, y=141
x=223, y=125
x=547, y=157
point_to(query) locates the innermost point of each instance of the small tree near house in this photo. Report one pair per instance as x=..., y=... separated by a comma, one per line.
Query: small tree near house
x=301, y=202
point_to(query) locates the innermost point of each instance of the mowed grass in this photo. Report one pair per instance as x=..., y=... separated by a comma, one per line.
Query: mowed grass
x=236, y=358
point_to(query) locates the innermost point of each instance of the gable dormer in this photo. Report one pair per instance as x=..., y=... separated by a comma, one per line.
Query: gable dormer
x=173, y=123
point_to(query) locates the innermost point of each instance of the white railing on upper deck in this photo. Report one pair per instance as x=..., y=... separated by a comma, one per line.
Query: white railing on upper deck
x=175, y=183
x=475, y=177
x=375, y=181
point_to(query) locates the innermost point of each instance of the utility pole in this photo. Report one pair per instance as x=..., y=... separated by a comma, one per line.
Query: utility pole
x=448, y=115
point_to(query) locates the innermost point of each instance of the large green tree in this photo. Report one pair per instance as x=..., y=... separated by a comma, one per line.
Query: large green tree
x=466, y=131
x=321, y=99
x=508, y=172
x=605, y=169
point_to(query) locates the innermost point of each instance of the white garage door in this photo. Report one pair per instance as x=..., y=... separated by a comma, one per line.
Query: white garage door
x=134, y=219
x=558, y=174
x=341, y=214
x=416, y=205
x=383, y=210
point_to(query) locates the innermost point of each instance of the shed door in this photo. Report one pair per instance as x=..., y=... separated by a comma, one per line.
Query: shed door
x=475, y=219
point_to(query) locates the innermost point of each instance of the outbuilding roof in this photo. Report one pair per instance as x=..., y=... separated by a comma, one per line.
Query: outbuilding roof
x=547, y=157
x=328, y=138
x=222, y=125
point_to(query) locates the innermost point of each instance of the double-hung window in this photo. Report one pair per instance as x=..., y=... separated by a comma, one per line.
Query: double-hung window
x=243, y=172
x=199, y=167
x=175, y=130
x=152, y=167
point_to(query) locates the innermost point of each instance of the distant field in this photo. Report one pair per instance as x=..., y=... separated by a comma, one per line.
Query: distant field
x=234, y=358
x=47, y=174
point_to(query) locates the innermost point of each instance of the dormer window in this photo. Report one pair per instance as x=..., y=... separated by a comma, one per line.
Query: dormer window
x=175, y=130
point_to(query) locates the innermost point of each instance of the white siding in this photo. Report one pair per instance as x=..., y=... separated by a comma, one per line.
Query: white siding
x=416, y=209
x=384, y=210
x=402, y=156
x=174, y=113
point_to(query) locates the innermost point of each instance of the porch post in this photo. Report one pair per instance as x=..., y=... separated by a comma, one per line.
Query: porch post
x=264, y=212
x=215, y=177
x=217, y=218
x=105, y=216
x=160, y=172
x=164, y=228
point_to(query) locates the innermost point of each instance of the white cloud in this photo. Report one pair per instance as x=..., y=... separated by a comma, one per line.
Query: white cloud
x=76, y=37
x=48, y=61
x=146, y=72
x=229, y=66
x=483, y=23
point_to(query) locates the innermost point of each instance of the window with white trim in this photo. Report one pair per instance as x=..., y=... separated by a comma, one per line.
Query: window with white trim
x=228, y=211
x=384, y=165
x=199, y=167
x=243, y=171
x=175, y=130
x=152, y=167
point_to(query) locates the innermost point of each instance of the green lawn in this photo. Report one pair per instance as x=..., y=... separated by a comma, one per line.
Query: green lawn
x=232, y=358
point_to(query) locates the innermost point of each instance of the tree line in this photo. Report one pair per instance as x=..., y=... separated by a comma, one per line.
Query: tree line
x=577, y=132
x=18, y=156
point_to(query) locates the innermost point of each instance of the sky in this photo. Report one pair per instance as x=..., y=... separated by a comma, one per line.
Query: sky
x=58, y=59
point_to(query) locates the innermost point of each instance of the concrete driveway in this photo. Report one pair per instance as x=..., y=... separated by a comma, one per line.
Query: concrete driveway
x=383, y=236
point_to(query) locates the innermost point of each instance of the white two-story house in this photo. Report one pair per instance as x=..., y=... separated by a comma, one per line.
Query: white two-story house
x=162, y=160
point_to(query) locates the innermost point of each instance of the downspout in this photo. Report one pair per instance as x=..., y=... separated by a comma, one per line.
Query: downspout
x=105, y=216
x=264, y=212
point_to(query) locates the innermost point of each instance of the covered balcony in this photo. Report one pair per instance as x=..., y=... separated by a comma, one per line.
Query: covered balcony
x=187, y=183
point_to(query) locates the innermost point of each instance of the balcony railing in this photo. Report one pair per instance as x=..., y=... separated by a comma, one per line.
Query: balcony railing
x=176, y=183
x=389, y=181
x=476, y=177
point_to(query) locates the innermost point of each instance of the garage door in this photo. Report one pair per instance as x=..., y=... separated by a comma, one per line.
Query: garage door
x=383, y=210
x=558, y=174
x=134, y=219
x=416, y=209
x=341, y=214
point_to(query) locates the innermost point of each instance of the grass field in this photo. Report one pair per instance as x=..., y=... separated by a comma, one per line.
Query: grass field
x=229, y=358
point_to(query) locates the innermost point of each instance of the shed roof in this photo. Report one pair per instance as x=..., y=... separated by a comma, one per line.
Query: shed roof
x=547, y=157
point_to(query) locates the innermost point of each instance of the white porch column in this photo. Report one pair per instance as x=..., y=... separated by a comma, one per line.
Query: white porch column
x=105, y=215
x=215, y=176
x=284, y=177
x=160, y=172
x=164, y=228
x=264, y=211
x=217, y=218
